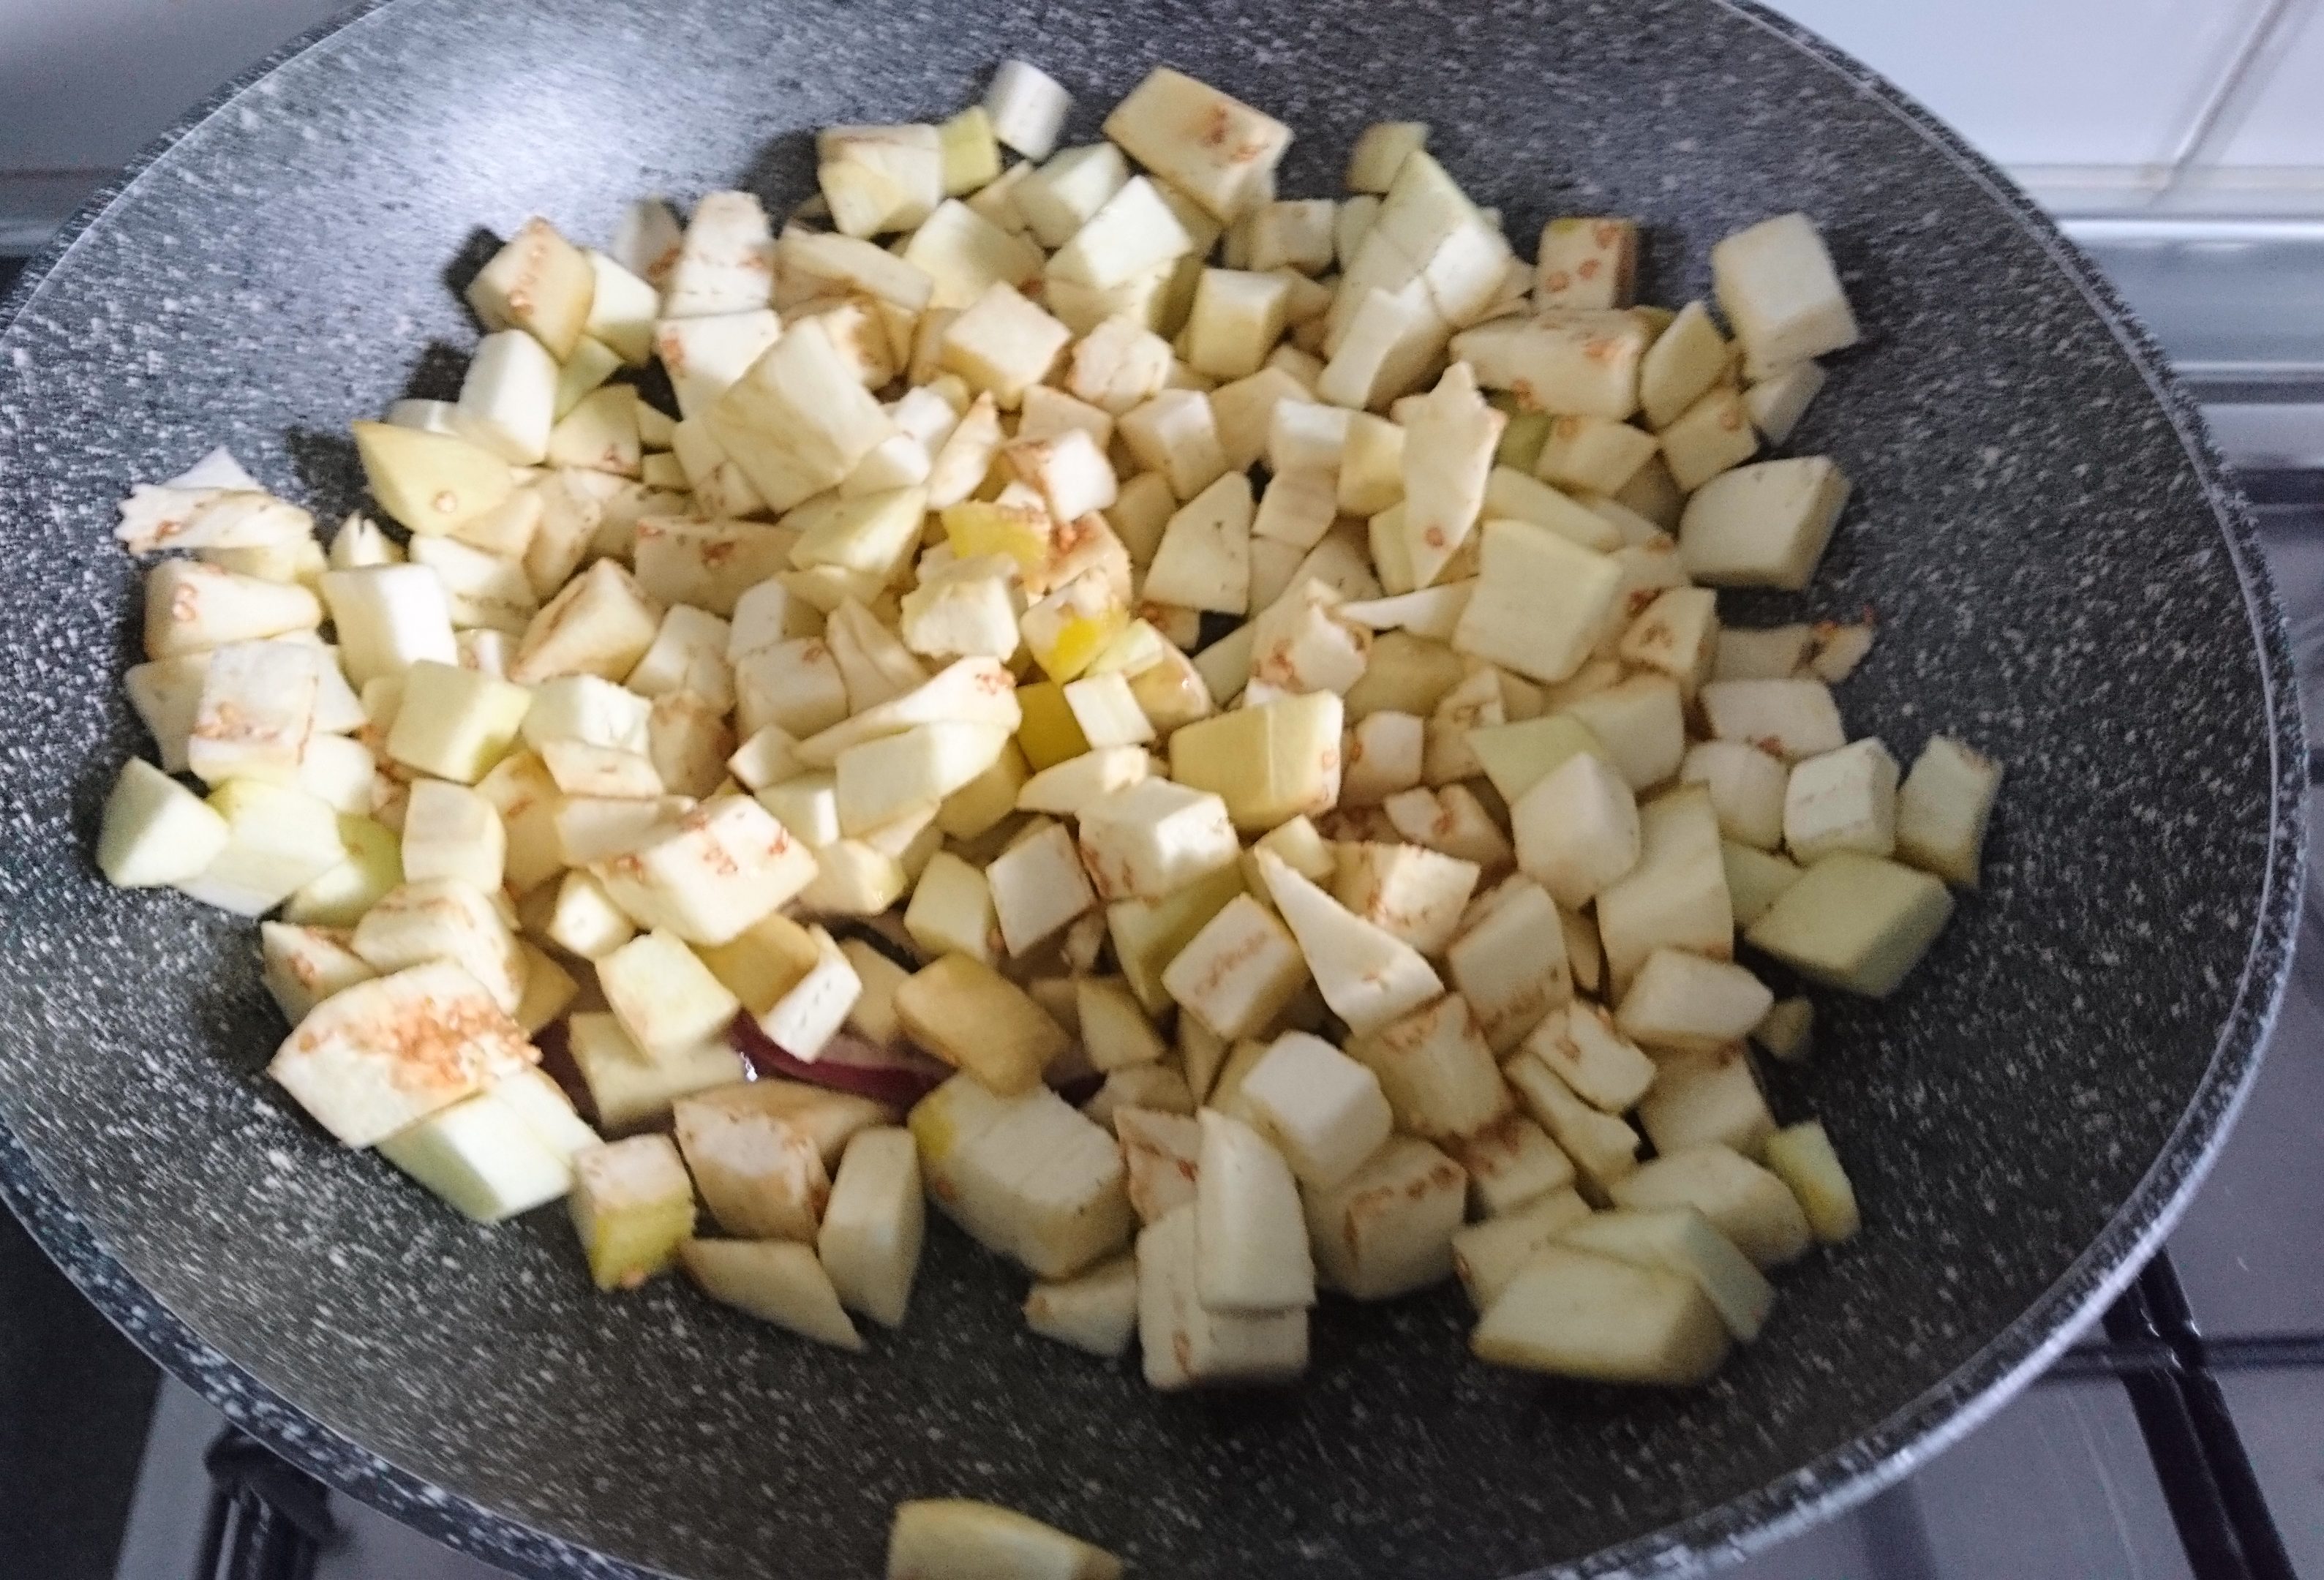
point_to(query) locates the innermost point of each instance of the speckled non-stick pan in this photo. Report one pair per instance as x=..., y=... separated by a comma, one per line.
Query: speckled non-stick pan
x=2059, y=574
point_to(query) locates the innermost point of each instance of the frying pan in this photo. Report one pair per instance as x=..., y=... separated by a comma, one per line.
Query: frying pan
x=2060, y=573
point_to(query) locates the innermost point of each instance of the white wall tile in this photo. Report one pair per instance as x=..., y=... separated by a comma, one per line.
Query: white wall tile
x=2047, y=82
x=2281, y=123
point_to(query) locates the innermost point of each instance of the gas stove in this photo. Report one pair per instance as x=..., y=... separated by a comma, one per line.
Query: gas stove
x=2183, y=1436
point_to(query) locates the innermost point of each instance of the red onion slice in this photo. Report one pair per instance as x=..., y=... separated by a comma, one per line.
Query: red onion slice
x=898, y=1076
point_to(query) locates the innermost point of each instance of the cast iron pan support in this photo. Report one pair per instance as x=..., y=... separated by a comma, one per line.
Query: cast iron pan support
x=267, y=1520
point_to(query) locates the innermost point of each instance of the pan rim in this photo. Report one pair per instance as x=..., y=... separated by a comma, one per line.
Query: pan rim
x=1722, y=1533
